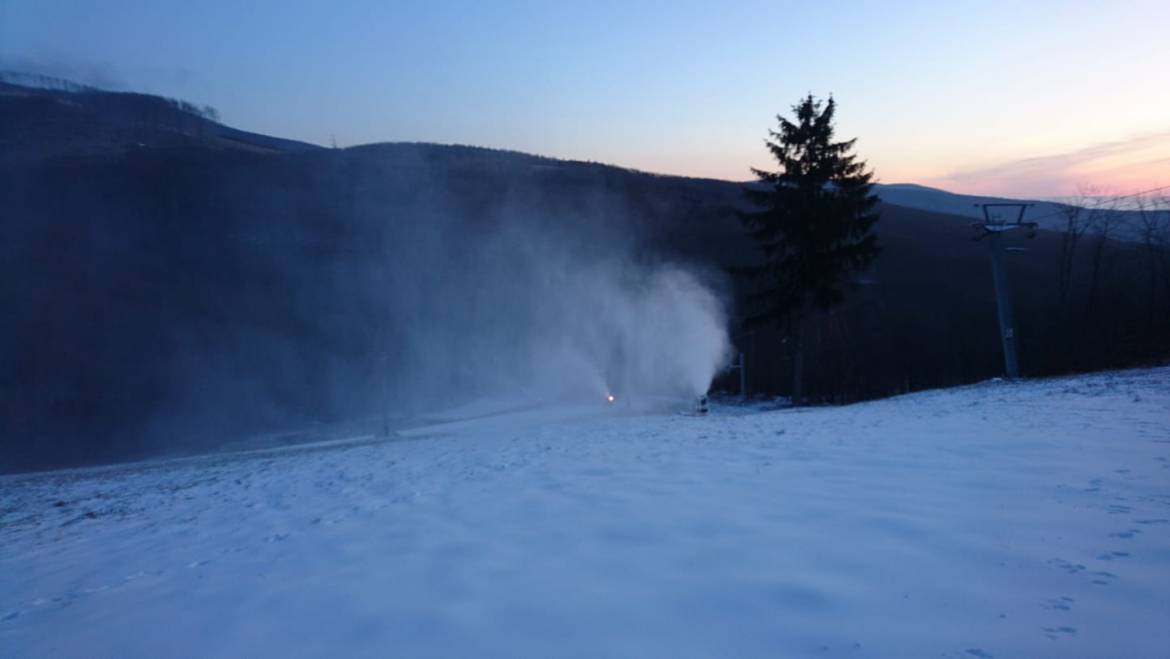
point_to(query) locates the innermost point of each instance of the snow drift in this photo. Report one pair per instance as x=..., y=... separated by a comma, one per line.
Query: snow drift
x=1007, y=520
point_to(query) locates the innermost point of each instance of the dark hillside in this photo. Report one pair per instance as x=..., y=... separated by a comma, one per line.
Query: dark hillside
x=185, y=292
x=38, y=125
x=925, y=316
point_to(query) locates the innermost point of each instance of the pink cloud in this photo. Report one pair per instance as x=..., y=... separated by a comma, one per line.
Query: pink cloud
x=1127, y=165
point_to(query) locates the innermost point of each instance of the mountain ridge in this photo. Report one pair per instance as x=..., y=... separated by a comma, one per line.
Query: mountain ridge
x=912, y=195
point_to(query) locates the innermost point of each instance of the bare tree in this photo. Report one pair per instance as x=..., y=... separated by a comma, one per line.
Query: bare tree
x=1074, y=228
x=1103, y=222
x=1077, y=220
x=1154, y=218
x=1081, y=214
x=1163, y=245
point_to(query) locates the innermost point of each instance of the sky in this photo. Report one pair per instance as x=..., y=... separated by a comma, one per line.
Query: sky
x=1029, y=98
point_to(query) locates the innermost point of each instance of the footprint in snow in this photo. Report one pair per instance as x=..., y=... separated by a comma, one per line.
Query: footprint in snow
x=1058, y=632
x=1127, y=534
x=1071, y=568
x=1059, y=604
x=1102, y=578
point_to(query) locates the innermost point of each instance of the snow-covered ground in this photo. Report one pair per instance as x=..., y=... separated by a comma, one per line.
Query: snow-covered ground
x=1006, y=520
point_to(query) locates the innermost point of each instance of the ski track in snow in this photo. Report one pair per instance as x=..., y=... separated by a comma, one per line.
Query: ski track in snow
x=996, y=520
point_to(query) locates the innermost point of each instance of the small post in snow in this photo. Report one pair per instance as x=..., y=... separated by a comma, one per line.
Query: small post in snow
x=742, y=378
x=738, y=365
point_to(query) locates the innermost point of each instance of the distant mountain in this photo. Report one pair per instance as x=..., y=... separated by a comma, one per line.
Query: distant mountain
x=1047, y=214
x=922, y=197
x=44, y=117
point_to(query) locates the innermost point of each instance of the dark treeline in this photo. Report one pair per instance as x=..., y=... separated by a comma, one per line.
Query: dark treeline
x=166, y=297
x=925, y=316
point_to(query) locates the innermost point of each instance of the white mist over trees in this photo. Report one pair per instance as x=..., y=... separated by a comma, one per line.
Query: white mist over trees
x=545, y=309
x=235, y=297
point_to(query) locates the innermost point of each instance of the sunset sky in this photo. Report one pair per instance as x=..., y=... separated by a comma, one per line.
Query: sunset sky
x=1013, y=98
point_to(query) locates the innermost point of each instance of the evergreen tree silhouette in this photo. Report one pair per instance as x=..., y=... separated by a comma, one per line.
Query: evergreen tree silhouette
x=813, y=224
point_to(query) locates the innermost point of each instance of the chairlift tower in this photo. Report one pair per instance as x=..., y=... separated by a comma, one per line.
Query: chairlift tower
x=998, y=219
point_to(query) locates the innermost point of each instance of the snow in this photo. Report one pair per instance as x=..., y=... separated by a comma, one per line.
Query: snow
x=1007, y=520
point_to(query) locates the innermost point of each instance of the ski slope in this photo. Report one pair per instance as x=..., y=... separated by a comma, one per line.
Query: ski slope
x=997, y=520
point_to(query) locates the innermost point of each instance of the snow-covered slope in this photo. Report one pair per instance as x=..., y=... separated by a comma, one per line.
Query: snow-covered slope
x=1007, y=520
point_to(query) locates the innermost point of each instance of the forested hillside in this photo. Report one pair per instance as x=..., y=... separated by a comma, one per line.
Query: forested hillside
x=168, y=287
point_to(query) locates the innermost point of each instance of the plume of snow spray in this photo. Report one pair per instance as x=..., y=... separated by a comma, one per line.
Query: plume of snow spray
x=527, y=313
x=652, y=331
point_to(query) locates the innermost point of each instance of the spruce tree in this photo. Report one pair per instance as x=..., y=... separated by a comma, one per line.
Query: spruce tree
x=813, y=224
